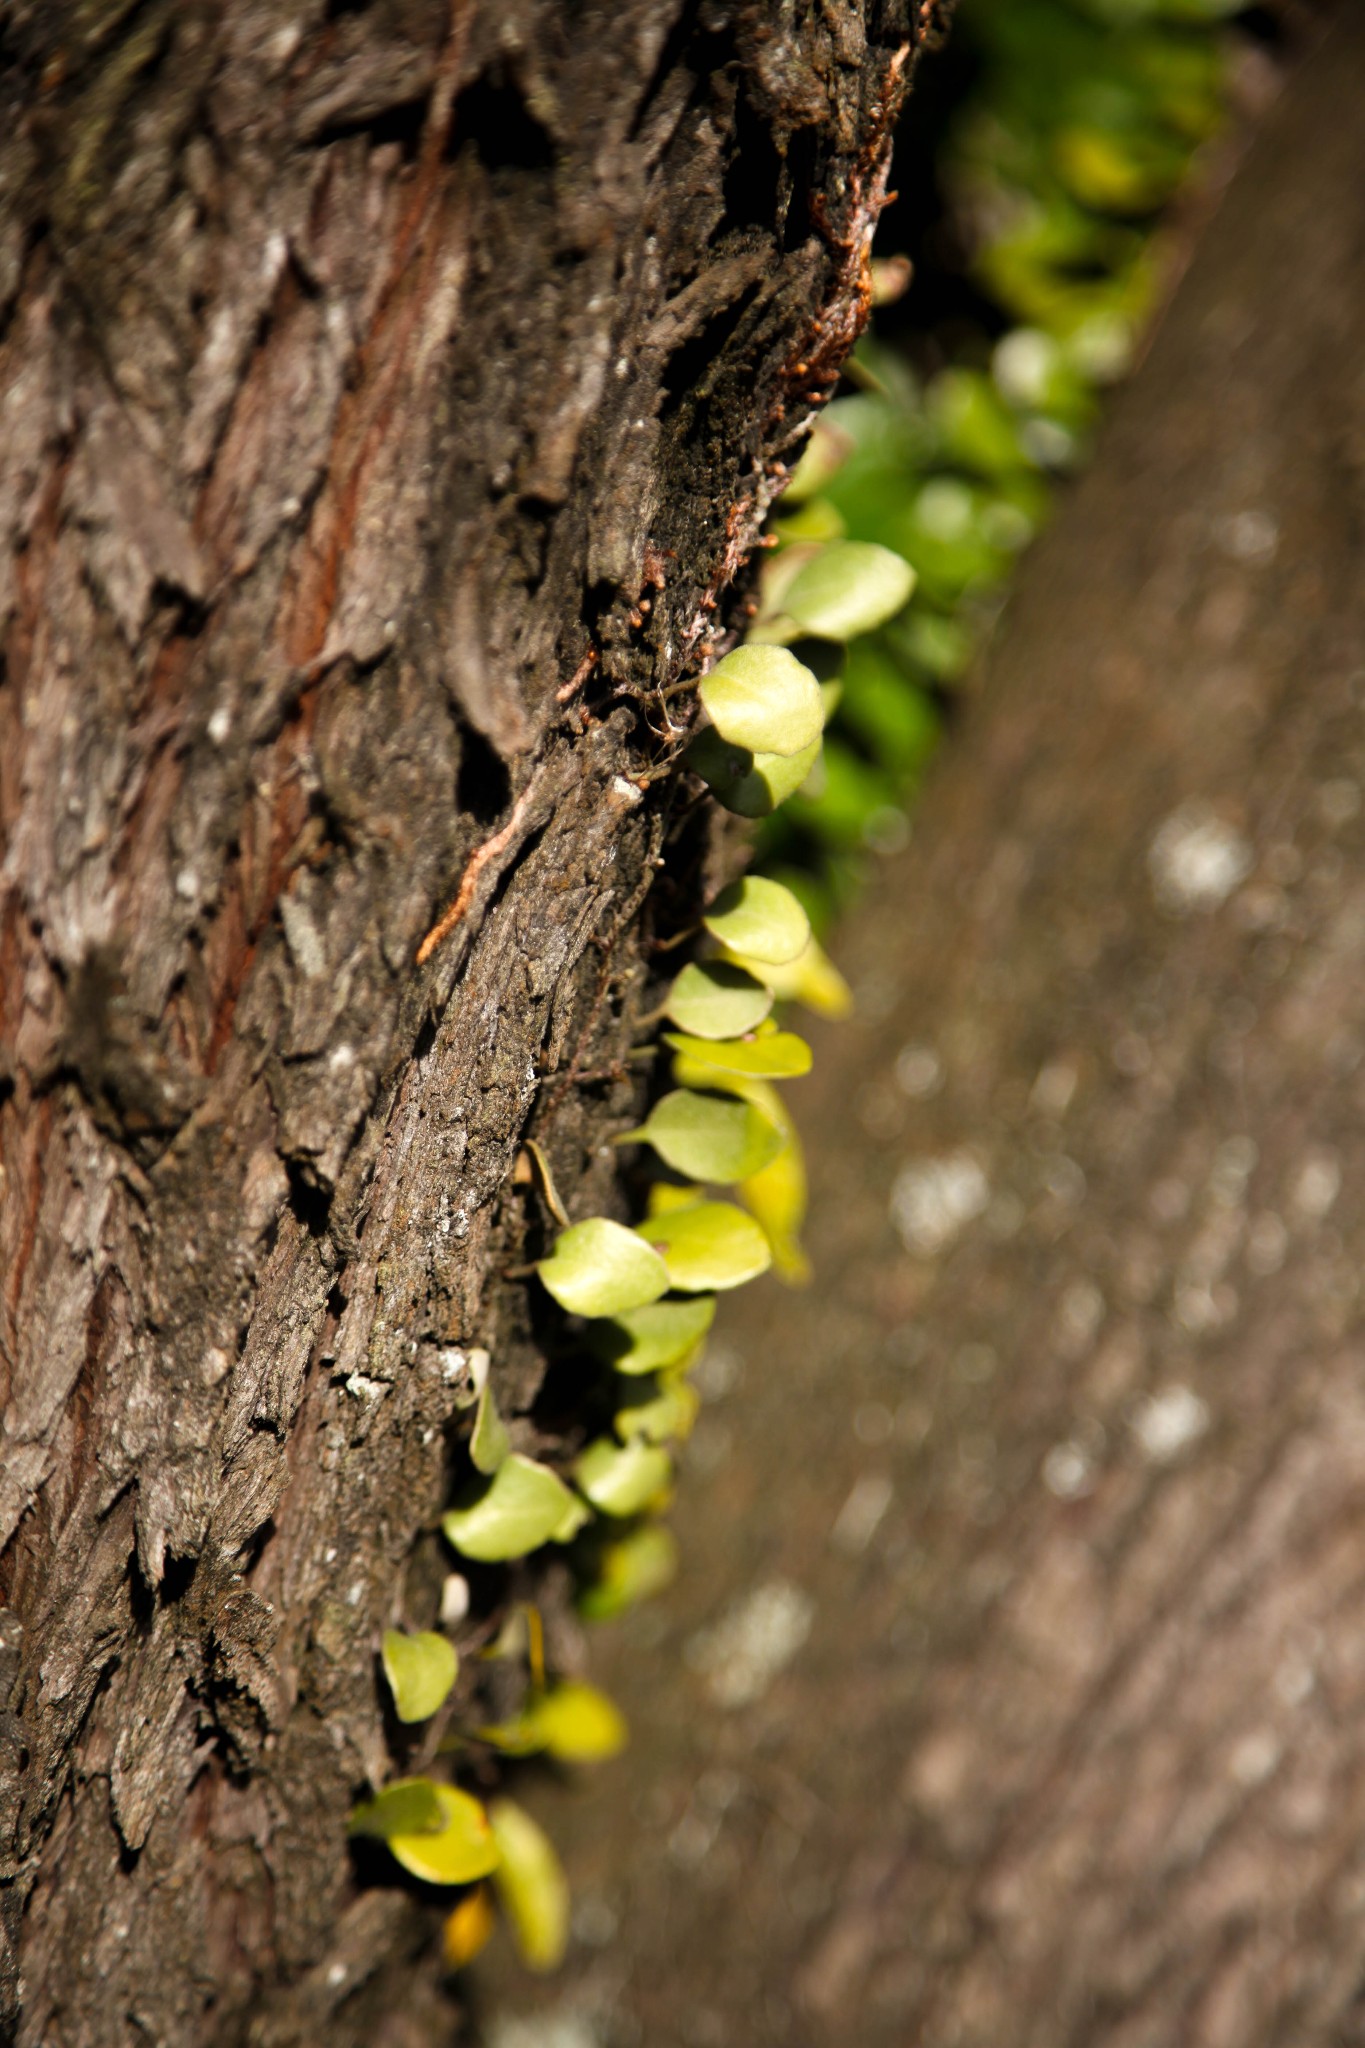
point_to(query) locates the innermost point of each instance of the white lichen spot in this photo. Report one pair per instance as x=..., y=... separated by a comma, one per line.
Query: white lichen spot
x=629, y=792
x=752, y=1643
x=220, y=725
x=1069, y=1471
x=1167, y=1423
x=919, y=1071
x=187, y=885
x=364, y=1388
x=933, y=1200
x=336, y=1973
x=341, y=1059
x=454, y=1599
x=1196, y=860
x=1317, y=1185
x=862, y=1513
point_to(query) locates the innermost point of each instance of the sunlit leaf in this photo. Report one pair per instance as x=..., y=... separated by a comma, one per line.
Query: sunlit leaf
x=649, y=1339
x=759, y=919
x=467, y=1929
x=525, y=1505
x=777, y=1198
x=850, y=587
x=420, y=1669
x=828, y=448
x=621, y=1479
x=662, y=1415
x=460, y=1848
x=572, y=1722
x=599, y=1268
x=710, y=1246
x=633, y=1569
x=409, y=1806
x=774, y=1056
x=751, y=785
x=764, y=700
x=531, y=1884
x=813, y=979
x=489, y=1442
x=709, y=1137
x=712, y=999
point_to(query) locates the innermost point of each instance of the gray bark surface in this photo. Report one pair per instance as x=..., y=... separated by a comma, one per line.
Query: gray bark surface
x=364, y=370
x=1066, y=1446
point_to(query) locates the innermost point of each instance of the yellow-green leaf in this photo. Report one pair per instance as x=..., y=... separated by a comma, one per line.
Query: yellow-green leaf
x=773, y=1056
x=660, y=1415
x=578, y=1724
x=532, y=1886
x=709, y=1246
x=599, y=1268
x=460, y=1848
x=648, y=1339
x=633, y=1569
x=759, y=919
x=711, y=999
x=752, y=785
x=709, y=1137
x=811, y=978
x=850, y=587
x=421, y=1669
x=467, y=1929
x=764, y=700
x=622, y=1479
x=525, y=1505
x=489, y=1442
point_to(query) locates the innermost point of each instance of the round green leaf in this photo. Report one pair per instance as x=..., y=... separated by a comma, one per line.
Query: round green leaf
x=850, y=587
x=711, y=999
x=421, y=1670
x=489, y=1442
x=407, y=1807
x=774, y=1056
x=597, y=1270
x=578, y=1724
x=531, y=1884
x=526, y=1505
x=751, y=785
x=760, y=919
x=764, y=700
x=621, y=1479
x=460, y=1848
x=710, y=1137
x=709, y=1246
x=661, y=1415
x=649, y=1339
x=634, y=1569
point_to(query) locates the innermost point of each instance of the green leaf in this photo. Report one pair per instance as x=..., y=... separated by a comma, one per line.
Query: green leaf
x=598, y=1269
x=461, y=1847
x=759, y=919
x=849, y=588
x=751, y=785
x=649, y=1339
x=764, y=700
x=407, y=1807
x=489, y=1442
x=526, y=1505
x=575, y=1723
x=660, y=1414
x=709, y=1137
x=622, y=1479
x=421, y=1670
x=773, y=1056
x=531, y=1884
x=709, y=1246
x=634, y=1569
x=579, y=1725
x=712, y=999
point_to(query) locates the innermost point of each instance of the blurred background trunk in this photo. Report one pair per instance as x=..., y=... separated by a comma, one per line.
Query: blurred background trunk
x=391, y=394
x=1014, y=1691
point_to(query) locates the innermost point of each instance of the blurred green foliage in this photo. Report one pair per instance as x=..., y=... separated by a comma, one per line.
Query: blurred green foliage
x=1079, y=122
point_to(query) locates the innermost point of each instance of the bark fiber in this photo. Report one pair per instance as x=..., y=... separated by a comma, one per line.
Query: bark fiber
x=364, y=370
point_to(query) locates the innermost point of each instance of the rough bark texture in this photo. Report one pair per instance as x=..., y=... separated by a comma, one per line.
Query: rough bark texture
x=1074, y=1755
x=364, y=371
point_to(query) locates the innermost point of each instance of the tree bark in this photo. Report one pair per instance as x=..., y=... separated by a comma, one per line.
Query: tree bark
x=1067, y=1447
x=391, y=396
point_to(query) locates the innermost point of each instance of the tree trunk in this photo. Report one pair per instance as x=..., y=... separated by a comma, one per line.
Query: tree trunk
x=391, y=395
x=1067, y=1448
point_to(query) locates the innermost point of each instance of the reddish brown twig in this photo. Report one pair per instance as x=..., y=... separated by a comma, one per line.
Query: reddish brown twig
x=578, y=678
x=478, y=861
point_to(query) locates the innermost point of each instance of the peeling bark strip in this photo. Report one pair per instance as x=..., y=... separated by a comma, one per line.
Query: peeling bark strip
x=360, y=369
